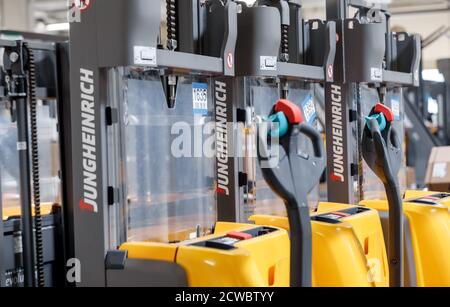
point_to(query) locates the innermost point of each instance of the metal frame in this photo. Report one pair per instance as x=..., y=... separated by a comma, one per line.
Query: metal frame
x=19, y=94
x=338, y=98
x=41, y=92
x=47, y=91
x=342, y=97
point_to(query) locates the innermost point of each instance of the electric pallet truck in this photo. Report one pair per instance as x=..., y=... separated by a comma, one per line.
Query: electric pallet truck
x=238, y=252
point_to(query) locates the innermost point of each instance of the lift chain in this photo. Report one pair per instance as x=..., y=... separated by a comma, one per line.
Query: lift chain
x=35, y=168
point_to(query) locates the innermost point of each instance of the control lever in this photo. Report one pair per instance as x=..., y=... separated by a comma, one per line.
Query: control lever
x=294, y=176
x=382, y=152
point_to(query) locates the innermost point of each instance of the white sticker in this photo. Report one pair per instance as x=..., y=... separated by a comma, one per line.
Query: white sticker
x=376, y=74
x=439, y=170
x=395, y=105
x=145, y=55
x=200, y=98
x=21, y=146
x=268, y=62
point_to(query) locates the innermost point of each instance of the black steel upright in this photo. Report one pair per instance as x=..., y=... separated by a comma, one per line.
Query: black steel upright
x=15, y=60
x=25, y=190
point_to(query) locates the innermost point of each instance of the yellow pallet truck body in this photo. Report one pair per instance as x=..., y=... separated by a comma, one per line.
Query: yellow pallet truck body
x=427, y=238
x=440, y=198
x=418, y=223
x=236, y=255
x=349, y=252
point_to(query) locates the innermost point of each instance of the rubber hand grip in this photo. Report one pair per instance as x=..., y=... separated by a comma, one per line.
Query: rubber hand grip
x=316, y=139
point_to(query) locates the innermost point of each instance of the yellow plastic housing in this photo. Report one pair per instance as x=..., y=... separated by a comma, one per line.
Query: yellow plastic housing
x=430, y=236
x=411, y=195
x=258, y=262
x=349, y=254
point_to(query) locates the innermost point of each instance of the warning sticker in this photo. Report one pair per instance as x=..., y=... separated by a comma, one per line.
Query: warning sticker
x=200, y=98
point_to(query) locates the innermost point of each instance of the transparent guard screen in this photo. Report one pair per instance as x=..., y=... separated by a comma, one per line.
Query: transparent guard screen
x=372, y=187
x=165, y=157
x=263, y=94
x=49, y=155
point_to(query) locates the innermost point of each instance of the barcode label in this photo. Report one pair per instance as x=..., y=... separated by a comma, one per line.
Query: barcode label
x=309, y=109
x=200, y=98
x=395, y=104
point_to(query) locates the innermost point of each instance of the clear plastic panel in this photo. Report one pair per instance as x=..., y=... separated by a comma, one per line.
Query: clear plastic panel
x=49, y=155
x=372, y=186
x=167, y=178
x=263, y=94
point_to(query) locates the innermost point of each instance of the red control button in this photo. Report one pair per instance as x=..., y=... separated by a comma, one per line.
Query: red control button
x=381, y=108
x=341, y=214
x=239, y=235
x=291, y=110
